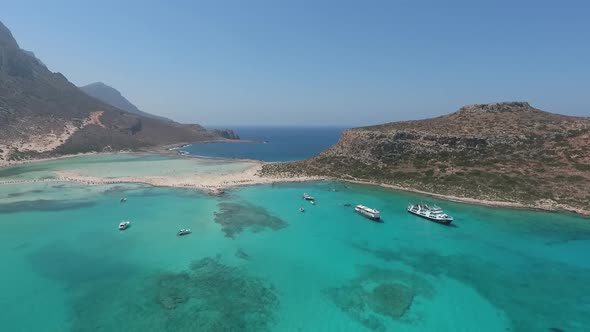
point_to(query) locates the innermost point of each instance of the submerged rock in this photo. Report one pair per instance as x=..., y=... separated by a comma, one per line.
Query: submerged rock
x=391, y=299
x=242, y=254
x=234, y=218
x=373, y=296
x=217, y=296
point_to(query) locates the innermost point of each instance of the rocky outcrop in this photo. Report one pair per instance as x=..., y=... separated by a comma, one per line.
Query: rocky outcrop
x=502, y=152
x=226, y=133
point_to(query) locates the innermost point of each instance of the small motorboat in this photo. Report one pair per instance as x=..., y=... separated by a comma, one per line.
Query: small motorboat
x=347, y=205
x=308, y=197
x=183, y=232
x=124, y=225
x=123, y=200
x=301, y=209
x=312, y=202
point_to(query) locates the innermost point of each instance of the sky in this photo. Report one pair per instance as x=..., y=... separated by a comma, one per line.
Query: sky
x=315, y=63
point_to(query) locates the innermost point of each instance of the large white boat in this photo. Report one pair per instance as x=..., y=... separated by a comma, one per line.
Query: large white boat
x=124, y=225
x=372, y=214
x=308, y=197
x=433, y=213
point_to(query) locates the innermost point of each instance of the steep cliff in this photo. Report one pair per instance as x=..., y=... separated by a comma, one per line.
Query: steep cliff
x=504, y=152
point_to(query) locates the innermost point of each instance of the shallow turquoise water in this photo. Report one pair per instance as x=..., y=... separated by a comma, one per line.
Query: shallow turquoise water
x=122, y=165
x=259, y=264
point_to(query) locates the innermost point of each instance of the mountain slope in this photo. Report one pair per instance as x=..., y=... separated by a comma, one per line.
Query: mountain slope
x=113, y=97
x=508, y=152
x=43, y=114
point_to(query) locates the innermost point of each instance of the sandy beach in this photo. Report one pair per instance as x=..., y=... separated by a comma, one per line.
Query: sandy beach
x=249, y=176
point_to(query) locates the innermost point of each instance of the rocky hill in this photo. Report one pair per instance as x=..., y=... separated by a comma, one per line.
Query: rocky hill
x=507, y=152
x=43, y=114
x=113, y=97
x=226, y=133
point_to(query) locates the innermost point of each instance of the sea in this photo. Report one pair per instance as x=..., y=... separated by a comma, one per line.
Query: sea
x=271, y=143
x=254, y=262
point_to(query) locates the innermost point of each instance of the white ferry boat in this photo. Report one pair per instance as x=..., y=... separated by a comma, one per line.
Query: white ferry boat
x=433, y=213
x=372, y=214
x=124, y=225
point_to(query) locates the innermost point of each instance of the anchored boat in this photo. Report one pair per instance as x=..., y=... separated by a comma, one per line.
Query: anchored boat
x=372, y=214
x=433, y=213
x=183, y=232
x=308, y=197
x=124, y=225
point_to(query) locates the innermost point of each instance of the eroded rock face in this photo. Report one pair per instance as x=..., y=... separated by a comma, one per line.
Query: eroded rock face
x=514, y=106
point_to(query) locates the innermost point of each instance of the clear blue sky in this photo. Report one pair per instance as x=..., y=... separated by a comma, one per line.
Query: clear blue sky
x=315, y=62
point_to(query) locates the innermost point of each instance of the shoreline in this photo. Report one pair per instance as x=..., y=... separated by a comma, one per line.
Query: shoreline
x=546, y=207
x=251, y=176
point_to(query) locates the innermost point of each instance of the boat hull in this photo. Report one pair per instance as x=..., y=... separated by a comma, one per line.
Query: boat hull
x=438, y=221
x=375, y=219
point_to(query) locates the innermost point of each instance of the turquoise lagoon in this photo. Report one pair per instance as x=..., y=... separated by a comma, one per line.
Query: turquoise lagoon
x=255, y=263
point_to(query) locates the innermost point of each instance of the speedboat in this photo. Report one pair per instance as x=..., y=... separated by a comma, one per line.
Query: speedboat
x=308, y=197
x=123, y=200
x=183, y=232
x=312, y=202
x=124, y=225
x=301, y=209
x=367, y=212
x=433, y=213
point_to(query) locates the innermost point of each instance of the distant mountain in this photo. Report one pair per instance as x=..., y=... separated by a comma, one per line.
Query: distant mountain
x=43, y=114
x=508, y=152
x=113, y=97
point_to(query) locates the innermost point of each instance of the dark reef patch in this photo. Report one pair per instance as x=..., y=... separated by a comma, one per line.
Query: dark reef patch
x=235, y=218
x=43, y=205
x=209, y=296
x=378, y=294
x=74, y=269
x=242, y=254
x=558, y=294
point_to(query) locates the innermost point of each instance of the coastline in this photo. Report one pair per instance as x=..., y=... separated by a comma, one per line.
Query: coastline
x=540, y=206
x=252, y=176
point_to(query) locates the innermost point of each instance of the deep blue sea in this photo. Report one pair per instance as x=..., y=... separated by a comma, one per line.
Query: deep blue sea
x=282, y=143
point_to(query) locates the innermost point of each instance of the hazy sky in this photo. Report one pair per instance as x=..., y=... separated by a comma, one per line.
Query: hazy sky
x=315, y=62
